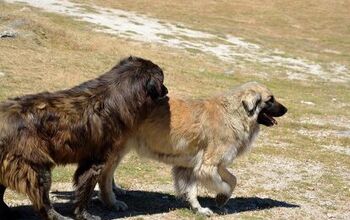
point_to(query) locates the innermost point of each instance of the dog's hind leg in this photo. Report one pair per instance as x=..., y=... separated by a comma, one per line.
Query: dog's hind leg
x=186, y=187
x=40, y=197
x=23, y=175
x=37, y=184
x=30, y=173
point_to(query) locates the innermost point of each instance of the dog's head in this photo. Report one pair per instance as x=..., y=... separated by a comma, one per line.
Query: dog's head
x=259, y=102
x=153, y=78
x=142, y=78
x=156, y=89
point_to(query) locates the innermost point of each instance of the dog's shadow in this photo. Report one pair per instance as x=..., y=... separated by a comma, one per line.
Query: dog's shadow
x=147, y=203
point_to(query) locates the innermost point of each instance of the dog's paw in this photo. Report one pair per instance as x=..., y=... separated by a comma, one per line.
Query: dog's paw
x=64, y=218
x=119, y=206
x=86, y=216
x=221, y=199
x=204, y=211
x=52, y=214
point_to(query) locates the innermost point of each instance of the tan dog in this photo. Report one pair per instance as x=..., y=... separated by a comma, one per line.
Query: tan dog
x=200, y=138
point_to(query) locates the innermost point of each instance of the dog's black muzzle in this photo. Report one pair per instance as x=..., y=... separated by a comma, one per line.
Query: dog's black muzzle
x=272, y=109
x=164, y=92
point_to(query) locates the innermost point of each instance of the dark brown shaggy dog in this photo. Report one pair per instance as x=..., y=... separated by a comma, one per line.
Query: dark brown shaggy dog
x=80, y=125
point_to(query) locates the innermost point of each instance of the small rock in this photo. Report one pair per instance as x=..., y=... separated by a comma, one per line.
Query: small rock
x=331, y=51
x=25, y=9
x=344, y=133
x=229, y=71
x=307, y=102
x=331, y=215
x=8, y=34
x=2, y=74
x=296, y=26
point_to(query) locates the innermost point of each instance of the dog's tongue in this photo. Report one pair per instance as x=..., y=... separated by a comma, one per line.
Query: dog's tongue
x=271, y=119
x=274, y=121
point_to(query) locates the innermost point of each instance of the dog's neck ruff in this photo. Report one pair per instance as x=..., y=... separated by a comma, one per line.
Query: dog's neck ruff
x=244, y=127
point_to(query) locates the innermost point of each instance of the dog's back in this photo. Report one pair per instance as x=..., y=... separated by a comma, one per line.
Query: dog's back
x=177, y=132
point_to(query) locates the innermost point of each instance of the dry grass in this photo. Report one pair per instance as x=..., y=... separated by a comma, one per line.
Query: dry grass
x=302, y=28
x=288, y=163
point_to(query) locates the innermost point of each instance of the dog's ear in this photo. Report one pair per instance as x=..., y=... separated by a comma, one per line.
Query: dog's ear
x=250, y=101
x=153, y=89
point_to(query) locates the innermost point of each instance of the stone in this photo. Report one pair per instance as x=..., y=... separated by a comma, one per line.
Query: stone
x=8, y=34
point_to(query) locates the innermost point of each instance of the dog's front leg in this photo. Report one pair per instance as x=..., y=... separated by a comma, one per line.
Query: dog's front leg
x=219, y=180
x=106, y=184
x=117, y=189
x=222, y=197
x=85, y=180
x=186, y=187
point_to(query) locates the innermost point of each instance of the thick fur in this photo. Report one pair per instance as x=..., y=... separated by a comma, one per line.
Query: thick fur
x=80, y=125
x=200, y=138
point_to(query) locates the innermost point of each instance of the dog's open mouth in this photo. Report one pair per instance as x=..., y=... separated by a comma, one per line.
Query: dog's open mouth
x=266, y=119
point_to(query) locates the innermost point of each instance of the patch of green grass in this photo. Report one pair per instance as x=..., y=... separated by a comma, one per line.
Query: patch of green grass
x=88, y=9
x=251, y=218
x=134, y=167
x=131, y=32
x=136, y=23
x=165, y=36
x=63, y=173
x=333, y=182
x=2, y=93
x=189, y=214
x=11, y=196
x=193, y=50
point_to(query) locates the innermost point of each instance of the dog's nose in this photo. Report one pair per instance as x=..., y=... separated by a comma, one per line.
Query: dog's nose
x=278, y=109
x=164, y=90
x=283, y=110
